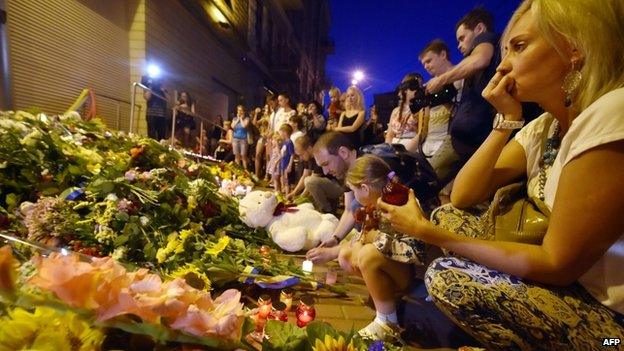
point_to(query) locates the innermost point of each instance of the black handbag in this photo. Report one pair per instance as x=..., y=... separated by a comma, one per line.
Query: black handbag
x=413, y=170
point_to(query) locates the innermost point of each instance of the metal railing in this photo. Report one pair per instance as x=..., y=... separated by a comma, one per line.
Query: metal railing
x=187, y=111
x=117, y=104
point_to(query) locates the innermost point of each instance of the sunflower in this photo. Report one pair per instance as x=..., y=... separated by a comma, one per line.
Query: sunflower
x=331, y=344
x=193, y=277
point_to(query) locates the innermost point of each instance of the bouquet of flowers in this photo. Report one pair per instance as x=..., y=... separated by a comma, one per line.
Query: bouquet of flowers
x=102, y=293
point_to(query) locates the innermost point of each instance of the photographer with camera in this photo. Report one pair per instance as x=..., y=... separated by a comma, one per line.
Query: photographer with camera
x=472, y=120
x=156, y=115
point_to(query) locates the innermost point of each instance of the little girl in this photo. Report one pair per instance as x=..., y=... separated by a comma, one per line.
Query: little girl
x=382, y=257
x=274, y=159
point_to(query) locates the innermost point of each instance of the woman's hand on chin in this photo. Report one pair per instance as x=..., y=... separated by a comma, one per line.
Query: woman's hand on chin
x=408, y=219
x=499, y=92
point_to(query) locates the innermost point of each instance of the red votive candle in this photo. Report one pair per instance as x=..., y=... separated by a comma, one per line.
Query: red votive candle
x=305, y=311
x=264, y=306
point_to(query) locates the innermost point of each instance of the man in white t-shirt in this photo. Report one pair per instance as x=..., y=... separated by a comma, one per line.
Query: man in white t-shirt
x=437, y=145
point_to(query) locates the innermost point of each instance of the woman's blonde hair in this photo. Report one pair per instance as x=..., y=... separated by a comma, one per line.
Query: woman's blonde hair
x=277, y=137
x=334, y=90
x=592, y=27
x=368, y=169
x=359, y=103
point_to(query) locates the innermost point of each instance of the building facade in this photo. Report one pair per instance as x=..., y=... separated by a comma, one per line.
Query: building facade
x=223, y=52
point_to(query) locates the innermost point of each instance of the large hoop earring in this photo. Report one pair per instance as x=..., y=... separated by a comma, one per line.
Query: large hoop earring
x=571, y=82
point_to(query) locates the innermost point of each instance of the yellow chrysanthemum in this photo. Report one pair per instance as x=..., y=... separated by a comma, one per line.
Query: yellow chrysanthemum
x=193, y=277
x=331, y=344
x=219, y=246
x=172, y=244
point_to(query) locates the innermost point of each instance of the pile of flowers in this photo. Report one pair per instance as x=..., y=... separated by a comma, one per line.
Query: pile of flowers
x=72, y=184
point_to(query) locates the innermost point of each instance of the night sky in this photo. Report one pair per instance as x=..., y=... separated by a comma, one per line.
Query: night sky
x=384, y=38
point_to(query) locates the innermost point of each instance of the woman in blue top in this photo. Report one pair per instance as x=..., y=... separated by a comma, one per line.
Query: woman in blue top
x=239, y=141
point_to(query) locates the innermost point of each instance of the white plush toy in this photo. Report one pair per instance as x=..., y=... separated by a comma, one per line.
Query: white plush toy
x=300, y=227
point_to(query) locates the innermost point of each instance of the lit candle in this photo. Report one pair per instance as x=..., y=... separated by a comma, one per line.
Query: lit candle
x=264, y=250
x=286, y=296
x=304, y=318
x=264, y=306
x=307, y=266
x=305, y=311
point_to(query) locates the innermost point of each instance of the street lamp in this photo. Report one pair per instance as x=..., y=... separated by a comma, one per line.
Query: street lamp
x=153, y=71
x=358, y=75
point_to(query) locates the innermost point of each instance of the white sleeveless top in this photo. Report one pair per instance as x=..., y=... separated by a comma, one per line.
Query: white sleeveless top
x=600, y=123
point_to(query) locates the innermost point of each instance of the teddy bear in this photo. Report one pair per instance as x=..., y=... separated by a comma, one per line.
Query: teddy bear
x=292, y=228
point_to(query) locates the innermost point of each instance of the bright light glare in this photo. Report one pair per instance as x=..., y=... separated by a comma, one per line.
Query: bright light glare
x=153, y=71
x=307, y=266
x=358, y=75
x=216, y=14
x=354, y=82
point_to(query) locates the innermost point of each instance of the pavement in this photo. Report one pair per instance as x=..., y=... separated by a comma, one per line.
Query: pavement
x=350, y=312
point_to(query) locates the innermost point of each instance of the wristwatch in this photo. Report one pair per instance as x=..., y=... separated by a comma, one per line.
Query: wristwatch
x=336, y=238
x=501, y=123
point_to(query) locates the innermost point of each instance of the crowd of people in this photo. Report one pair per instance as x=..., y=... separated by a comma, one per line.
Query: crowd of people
x=565, y=290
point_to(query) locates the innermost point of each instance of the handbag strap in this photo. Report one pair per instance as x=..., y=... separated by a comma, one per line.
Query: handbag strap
x=542, y=172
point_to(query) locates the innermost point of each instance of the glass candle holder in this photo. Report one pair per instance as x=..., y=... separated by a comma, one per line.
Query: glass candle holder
x=264, y=306
x=286, y=297
x=279, y=312
x=258, y=333
x=305, y=311
x=264, y=250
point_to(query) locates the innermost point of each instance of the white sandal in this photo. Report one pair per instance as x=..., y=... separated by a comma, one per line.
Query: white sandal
x=378, y=330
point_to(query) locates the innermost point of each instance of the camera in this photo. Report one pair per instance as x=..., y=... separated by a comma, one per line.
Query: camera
x=421, y=99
